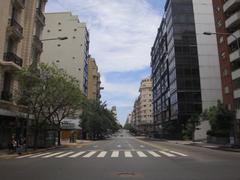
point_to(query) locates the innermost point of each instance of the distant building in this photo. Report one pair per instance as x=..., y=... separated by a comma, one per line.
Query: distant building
x=141, y=117
x=114, y=111
x=22, y=23
x=185, y=65
x=94, y=82
x=71, y=54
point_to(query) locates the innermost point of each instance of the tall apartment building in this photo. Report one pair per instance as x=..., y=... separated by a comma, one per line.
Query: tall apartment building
x=22, y=23
x=185, y=69
x=227, y=23
x=71, y=54
x=141, y=117
x=145, y=120
x=94, y=82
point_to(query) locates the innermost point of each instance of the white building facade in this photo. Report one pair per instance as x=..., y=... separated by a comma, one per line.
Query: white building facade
x=70, y=54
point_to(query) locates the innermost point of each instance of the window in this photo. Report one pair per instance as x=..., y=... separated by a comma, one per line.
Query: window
x=219, y=23
x=75, y=29
x=48, y=31
x=225, y=72
x=226, y=89
x=223, y=55
x=59, y=45
x=59, y=29
x=59, y=23
x=74, y=37
x=221, y=39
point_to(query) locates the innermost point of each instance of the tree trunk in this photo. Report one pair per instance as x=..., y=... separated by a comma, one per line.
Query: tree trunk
x=59, y=137
x=36, y=132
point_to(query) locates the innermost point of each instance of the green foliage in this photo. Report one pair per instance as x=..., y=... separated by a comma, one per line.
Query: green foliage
x=220, y=119
x=97, y=120
x=188, y=132
x=130, y=128
x=49, y=94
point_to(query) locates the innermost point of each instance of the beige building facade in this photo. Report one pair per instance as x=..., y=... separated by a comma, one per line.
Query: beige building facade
x=142, y=114
x=71, y=54
x=22, y=22
x=94, y=82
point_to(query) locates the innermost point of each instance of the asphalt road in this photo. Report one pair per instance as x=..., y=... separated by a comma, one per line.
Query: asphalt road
x=125, y=157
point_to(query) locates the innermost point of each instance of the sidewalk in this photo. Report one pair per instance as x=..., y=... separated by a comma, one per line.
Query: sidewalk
x=5, y=154
x=226, y=147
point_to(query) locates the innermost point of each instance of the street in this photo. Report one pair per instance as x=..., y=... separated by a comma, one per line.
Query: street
x=125, y=157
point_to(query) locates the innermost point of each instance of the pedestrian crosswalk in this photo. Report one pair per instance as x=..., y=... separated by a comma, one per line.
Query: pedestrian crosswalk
x=106, y=154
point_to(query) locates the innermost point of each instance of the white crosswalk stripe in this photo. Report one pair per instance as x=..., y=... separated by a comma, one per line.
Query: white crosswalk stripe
x=77, y=154
x=24, y=156
x=54, y=154
x=102, y=154
x=128, y=154
x=64, y=155
x=178, y=153
x=154, y=154
x=88, y=155
x=115, y=154
x=38, y=155
x=141, y=154
x=167, y=154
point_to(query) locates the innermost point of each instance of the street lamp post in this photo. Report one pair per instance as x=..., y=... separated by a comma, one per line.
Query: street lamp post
x=58, y=38
x=236, y=126
x=225, y=34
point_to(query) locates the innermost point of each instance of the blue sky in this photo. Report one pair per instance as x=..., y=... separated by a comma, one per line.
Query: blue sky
x=122, y=33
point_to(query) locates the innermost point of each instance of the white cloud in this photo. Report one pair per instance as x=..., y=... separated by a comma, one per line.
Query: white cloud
x=121, y=31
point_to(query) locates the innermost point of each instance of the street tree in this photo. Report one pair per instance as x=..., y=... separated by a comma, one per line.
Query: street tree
x=45, y=94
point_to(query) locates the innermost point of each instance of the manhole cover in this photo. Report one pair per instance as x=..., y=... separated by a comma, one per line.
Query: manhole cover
x=126, y=174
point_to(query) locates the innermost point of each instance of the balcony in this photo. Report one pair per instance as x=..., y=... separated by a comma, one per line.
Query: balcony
x=231, y=38
x=236, y=74
x=40, y=16
x=231, y=5
x=237, y=93
x=235, y=55
x=233, y=20
x=13, y=58
x=19, y=4
x=14, y=29
x=37, y=43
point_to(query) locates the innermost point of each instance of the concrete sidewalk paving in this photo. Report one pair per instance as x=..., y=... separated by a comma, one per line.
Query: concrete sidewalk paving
x=226, y=147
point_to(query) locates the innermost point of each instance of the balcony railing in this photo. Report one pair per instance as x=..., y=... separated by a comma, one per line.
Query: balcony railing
x=40, y=16
x=37, y=43
x=11, y=57
x=19, y=3
x=6, y=95
x=15, y=28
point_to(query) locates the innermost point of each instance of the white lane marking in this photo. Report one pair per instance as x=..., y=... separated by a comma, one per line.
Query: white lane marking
x=178, y=153
x=142, y=146
x=102, y=154
x=38, y=155
x=128, y=154
x=54, y=154
x=77, y=154
x=65, y=154
x=115, y=154
x=141, y=154
x=119, y=146
x=20, y=157
x=167, y=154
x=88, y=155
x=154, y=154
